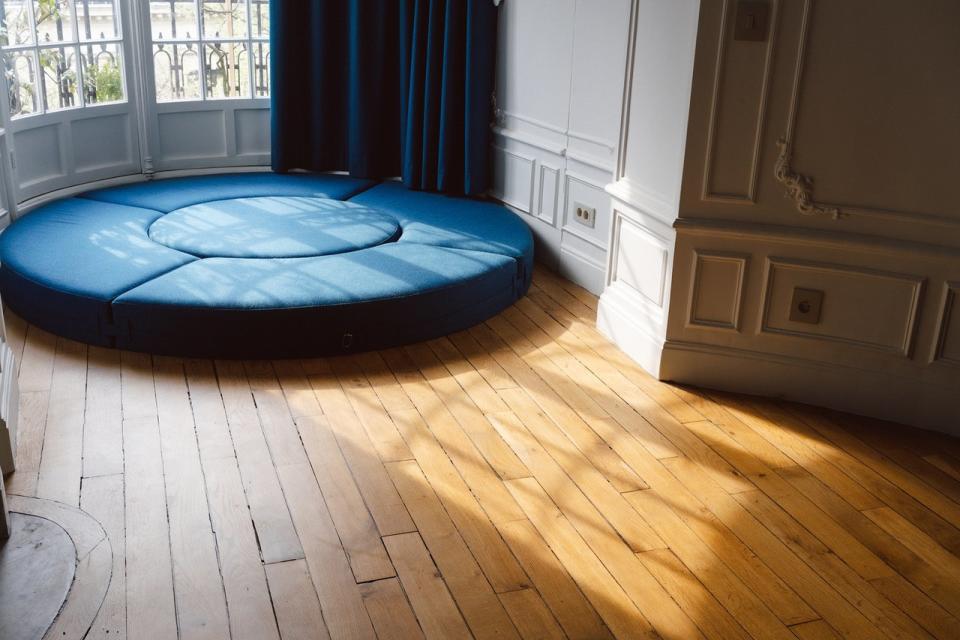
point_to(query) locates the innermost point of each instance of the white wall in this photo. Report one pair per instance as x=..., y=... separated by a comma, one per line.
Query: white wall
x=867, y=93
x=559, y=93
x=646, y=194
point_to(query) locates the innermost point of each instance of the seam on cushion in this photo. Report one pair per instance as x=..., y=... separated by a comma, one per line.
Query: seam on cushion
x=85, y=296
x=86, y=196
x=445, y=246
x=315, y=306
x=411, y=243
x=373, y=183
x=393, y=239
x=159, y=275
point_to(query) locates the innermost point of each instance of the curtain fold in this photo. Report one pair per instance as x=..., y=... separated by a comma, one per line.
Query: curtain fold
x=381, y=88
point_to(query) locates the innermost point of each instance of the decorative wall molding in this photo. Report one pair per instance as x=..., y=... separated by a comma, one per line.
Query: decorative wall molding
x=701, y=260
x=848, y=209
x=547, y=194
x=532, y=140
x=902, y=346
x=801, y=236
x=563, y=131
x=627, y=93
x=525, y=205
x=591, y=161
x=948, y=321
x=799, y=187
x=749, y=197
x=657, y=252
x=642, y=199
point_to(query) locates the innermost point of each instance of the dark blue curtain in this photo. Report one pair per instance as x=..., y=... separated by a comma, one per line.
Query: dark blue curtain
x=383, y=88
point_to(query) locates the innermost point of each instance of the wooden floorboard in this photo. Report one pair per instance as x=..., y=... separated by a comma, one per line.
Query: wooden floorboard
x=520, y=479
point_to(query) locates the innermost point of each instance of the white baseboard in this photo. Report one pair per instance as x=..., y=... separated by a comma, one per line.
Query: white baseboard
x=581, y=270
x=861, y=391
x=617, y=320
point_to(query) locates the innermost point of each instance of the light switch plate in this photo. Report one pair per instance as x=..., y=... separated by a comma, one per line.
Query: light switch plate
x=806, y=305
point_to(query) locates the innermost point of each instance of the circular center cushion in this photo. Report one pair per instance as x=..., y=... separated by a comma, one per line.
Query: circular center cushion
x=273, y=227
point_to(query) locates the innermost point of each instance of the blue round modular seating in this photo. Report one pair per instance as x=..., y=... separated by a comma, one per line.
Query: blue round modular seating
x=262, y=265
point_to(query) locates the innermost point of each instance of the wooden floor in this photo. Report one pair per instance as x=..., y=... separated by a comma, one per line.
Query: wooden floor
x=521, y=479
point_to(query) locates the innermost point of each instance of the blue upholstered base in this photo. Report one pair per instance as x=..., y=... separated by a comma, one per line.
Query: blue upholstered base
x=262, y=265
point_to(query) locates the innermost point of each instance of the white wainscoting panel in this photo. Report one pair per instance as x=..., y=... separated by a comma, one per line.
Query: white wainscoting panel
x=39, y=155
x=102, y=143
x=640, y=260
x=887, y=342
x=514, y=178
x=861, y=307
x=532, y=176
x=716, y=292
x=633, y=308
x=188, y=135
x=252, y=132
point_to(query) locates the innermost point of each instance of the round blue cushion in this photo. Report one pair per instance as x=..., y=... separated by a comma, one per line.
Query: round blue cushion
x=273, y=227
x=262, y=265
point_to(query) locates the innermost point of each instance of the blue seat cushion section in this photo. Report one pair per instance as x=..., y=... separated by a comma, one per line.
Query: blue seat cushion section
x=177, y=193
x=262, y=265
x=273, y=227
x=388, y=271
x=446, y=221
x=88, y=248
x=383, y=296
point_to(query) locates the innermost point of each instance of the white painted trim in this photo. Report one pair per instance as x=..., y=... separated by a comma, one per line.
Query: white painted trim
x=582, y=269
x=618, y=320
x=802, y=236
x=644, y=200
x=872, y=392
x=699, y=258
x=591, y=161
x=532, y=140
x=904, y=348
x=551, y=216
x=526, y=207
x=563, y=131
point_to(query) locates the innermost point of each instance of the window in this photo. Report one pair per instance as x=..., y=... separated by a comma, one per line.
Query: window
x=210, y=49
x=61, y=54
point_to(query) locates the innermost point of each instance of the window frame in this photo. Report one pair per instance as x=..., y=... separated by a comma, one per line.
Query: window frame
x=73, y=45
x=201, y=41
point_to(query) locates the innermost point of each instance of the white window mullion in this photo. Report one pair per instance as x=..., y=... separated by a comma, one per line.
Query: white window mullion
x=251, y=57
x=201, y=49
x=41, y=84
x=81, y=72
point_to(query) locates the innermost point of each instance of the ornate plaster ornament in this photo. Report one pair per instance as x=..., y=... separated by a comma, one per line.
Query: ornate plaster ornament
x=799, y=187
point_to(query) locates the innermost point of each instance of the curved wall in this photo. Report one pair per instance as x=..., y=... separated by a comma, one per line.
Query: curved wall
x=62, y=150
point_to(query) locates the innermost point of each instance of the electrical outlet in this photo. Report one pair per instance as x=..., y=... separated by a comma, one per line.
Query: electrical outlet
x=587, y=216
x=806, y=305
